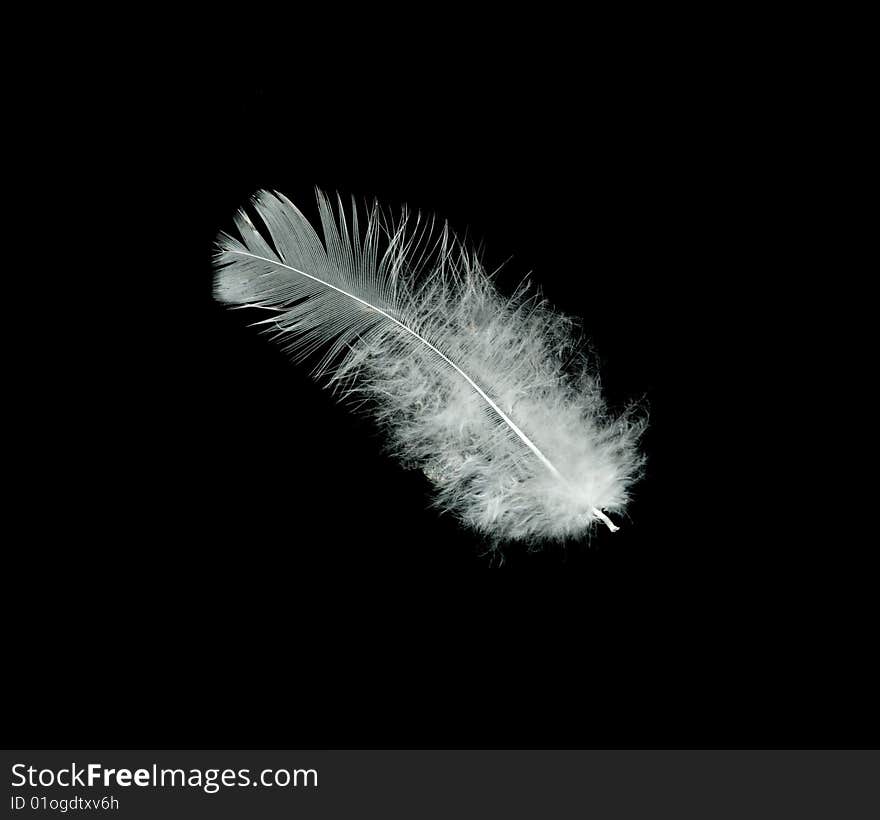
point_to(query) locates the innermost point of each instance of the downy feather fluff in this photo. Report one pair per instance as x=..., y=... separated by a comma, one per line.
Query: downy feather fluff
x=489, y=396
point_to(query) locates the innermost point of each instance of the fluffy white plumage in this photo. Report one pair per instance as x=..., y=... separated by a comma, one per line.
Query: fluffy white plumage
x=489, y=396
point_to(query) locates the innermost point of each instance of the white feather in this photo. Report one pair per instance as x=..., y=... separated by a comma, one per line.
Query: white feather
x=488, y=396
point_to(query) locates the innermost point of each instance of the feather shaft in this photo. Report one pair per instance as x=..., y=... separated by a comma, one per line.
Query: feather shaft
x=507, y=420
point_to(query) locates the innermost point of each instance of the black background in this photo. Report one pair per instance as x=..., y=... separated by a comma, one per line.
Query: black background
x=223, y=556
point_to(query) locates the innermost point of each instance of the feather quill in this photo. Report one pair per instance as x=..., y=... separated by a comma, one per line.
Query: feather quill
x=489, y=396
